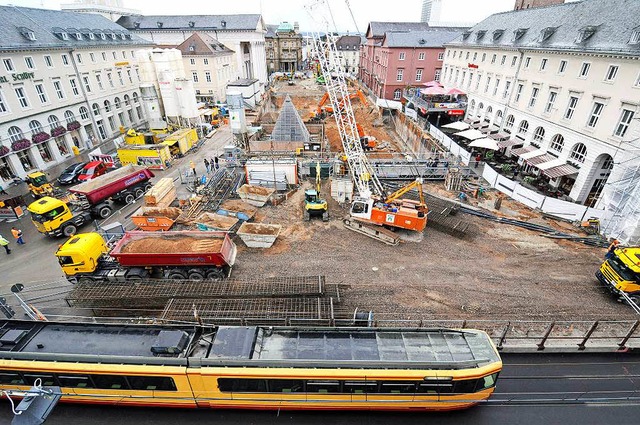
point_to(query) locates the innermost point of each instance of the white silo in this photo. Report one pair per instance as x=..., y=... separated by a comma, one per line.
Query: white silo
x=237, y=119
x=151, y=105
x=186, y=96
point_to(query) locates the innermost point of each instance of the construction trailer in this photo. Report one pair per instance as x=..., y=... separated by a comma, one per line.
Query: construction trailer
x=156, y=157
x=181, y=141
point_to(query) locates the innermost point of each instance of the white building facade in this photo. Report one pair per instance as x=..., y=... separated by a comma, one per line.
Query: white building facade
x=67, y=81
x=564, y=80
x=243, y=34
x=349, y=52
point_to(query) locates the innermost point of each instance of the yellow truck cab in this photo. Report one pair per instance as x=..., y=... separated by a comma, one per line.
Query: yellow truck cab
x=49, y=213
x=621, y=273
x=81, y=253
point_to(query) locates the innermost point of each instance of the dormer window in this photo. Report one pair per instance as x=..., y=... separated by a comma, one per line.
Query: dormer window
x=113, y=36
x=103, y=36
x=546, y=33
x=136, y=24
x=497, y=34
x=78, y=36
x=585, y=33
x=27, y=33
x=466, y=35
x=92, y=36
x=635, y=36
x=159, y=24
x=224, y=24
x=64, y=36
x=519, y=33
x=192, y=24
x=480, y=35
x=123, y=36
x=192, y=48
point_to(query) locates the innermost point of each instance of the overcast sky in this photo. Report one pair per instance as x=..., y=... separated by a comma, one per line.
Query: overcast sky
x=275, y=11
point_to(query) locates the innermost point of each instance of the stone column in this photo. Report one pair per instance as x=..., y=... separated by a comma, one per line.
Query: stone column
x=55, y=153
x=16, y=165
x=35, y=156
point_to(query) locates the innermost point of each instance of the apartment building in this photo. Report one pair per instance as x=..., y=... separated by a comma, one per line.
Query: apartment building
x=348, y=47
x=283, y=47
x=564, y=80
x=67, y=80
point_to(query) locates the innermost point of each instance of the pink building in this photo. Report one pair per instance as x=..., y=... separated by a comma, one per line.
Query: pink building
x=398, y=55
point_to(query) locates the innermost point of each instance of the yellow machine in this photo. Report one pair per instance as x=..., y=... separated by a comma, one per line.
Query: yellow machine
x=53, y=216
x=314, y=205
x=181, y=141
x=151, y=156
x=38, y=185
x=620, y=273
x=81, y=253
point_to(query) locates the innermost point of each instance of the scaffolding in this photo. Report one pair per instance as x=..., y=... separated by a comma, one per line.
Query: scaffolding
x=289, y=126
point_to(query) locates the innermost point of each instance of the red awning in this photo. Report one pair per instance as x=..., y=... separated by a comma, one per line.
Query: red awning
x=536, y=160
x=561, y=170
x=523, y=150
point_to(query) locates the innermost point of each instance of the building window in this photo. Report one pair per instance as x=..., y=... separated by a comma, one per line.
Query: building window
x=493, y=59
x=522, y=130
x=484, y=56
x=475, y=56
x=510, y=120
x=120, y=78
x=96, y=109
x=92, y=57
x=117, y=102
x=562, y=67
x=65, y=60
x=596, y=110
x=527, y=62
x=557, y=143
x=571, y=107
x=207, y=76
x=584, y=70
x=112, y=123
x=22, y=97
x=28, y=60
x=507, y=86
x=58, y=86
x=8, y=65
x=418, y=74
x=637, y=83
x=519, y=92
x=466, y=56
x=192, y=61
x=534, y=97
x=623, y=124
x=48, y=61
x=124, y=54
x=110, y=79
x=115, y=55
x=74, y=87
x=99, y=80
x=495, y=88
x=611, y=73
x=552, y=99
x=69, y=117
x=79, y=58
x=436, y=77
x=206, y=61
x=396, y=94
x=538, y=136
x=579, y=152
x=87, y=85
x=194, y=75
x=84, y=113
x=399, y=74
x=129, y=76
x=543, y=64
x=486, y=87
x=504, y=59
x=3, y=105
x=514, y=60
x=107, y=106
x=440, y=56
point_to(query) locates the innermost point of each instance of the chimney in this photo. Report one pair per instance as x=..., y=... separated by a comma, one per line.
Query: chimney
x=296, y=27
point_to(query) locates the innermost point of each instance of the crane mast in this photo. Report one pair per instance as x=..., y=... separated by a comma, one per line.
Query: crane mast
x=362, y=172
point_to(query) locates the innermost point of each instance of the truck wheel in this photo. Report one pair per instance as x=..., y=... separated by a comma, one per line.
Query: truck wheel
x=69, y=229
x=84, y=280
x=196, y=275
x=216, y=275
x=176, y=274
x=139, y=192
x=129, y=198
x=104, y=212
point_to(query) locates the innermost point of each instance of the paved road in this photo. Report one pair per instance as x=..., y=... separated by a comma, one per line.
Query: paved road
x=532, y=389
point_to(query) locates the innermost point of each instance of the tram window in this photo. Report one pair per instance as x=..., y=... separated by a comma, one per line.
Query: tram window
x=12, y=378
x=487, y=382
x=397, y=387
x=435, y=387
x=360, y=387
x=46, y=378
x=158, y=383
x=238, y=385
x=285, y=385
x=75, y=381
x=323, y=386
x=110, y=382
x=465, y=386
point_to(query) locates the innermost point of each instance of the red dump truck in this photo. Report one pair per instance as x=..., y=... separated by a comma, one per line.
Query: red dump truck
x=139, y=255
x=94, y=198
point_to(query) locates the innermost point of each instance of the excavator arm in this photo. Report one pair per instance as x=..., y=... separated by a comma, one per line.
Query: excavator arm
x=417, y=183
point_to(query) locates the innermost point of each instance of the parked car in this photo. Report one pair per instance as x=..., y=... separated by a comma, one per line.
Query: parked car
x=70, y=174
x=92, y=170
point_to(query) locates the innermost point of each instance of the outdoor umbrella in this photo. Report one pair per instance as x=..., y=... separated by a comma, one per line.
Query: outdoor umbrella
x=485, y=143
x=455, y=91
x=471, y=134
x=432, y=84
x=458, y=125
x=433, y=90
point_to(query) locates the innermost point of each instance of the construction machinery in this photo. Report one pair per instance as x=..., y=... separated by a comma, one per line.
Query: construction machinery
x=194, y=255
x=373, y=213
x=314, y=205
x=620, y=273
x=39, y=186
x=94, y=198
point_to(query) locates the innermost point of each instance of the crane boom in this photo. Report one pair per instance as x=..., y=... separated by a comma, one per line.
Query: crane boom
x=362, y=172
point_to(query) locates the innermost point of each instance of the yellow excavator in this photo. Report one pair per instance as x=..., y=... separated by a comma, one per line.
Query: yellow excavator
x=314, y=205
x=39, y=186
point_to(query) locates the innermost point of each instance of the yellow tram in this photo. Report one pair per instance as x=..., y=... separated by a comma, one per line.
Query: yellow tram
x=251, y=367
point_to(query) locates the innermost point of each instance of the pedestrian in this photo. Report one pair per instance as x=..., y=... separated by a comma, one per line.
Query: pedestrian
x=192, y=165
x=2, y=191
x=478, y=159
x=612, y=248
x=516, y=171
x=5, y=244
x=215, y=159
x=206, y=164
x=17, y=233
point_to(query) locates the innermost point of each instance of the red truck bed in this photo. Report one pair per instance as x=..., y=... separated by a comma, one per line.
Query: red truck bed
x=109, y=184
x=175, y=249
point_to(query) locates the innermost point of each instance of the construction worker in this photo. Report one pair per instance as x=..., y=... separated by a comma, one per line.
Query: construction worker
x=615, y=244
x=17, y=234
x=5, y=244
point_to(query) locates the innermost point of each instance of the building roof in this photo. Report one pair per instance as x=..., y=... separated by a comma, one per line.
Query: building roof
x=378, y=29
x=242, y=82
x=191, y=22
x=271, y=31
x=29, y=28
x=421, y=39
x=200, y=44
x=285, y=27
x=349, y=42
x=588, y=25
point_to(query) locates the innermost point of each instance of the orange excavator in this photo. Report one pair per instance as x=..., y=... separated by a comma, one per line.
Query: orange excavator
x=323, y=111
